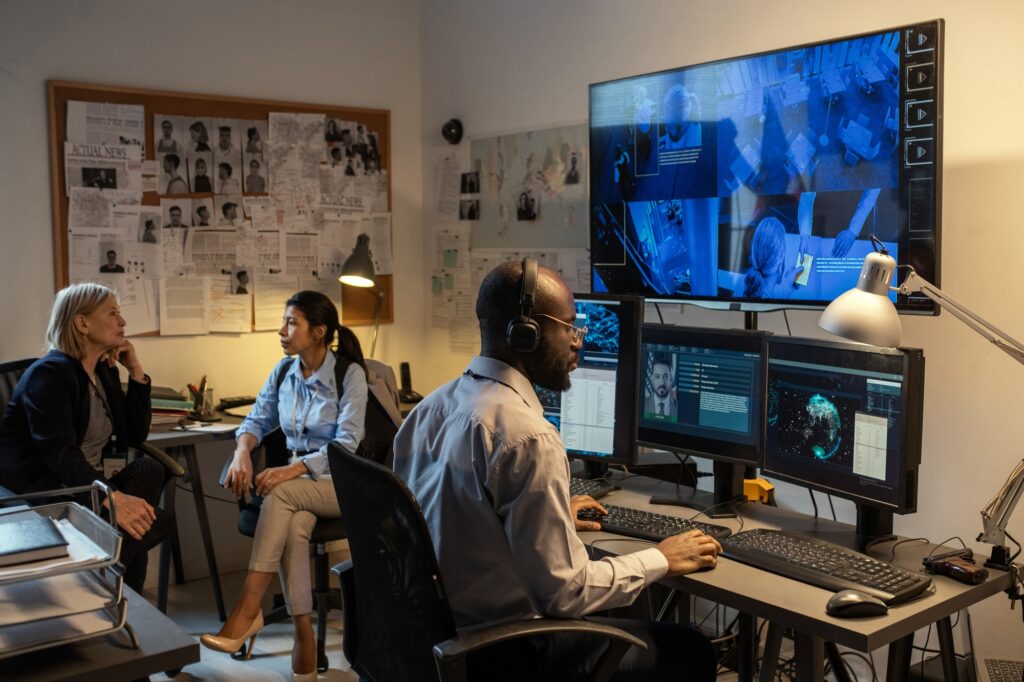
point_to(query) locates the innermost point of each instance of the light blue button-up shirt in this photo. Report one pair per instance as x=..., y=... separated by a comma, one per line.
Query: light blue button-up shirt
x=309, y=411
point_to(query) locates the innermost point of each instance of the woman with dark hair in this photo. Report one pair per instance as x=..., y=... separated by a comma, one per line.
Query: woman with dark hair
x=68, y=413
x=302, y=398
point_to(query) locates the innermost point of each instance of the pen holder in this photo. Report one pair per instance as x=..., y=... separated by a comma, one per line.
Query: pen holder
x=203, y=409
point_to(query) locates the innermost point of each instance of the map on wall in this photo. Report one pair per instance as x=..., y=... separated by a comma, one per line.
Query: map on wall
x=533, y=189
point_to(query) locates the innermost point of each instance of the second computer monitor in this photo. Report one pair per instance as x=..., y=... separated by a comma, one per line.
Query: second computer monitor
x=701, y=392
x=597, y=415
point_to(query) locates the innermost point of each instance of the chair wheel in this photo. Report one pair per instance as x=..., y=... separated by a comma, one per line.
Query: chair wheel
x=321, y=664
x=172, y=672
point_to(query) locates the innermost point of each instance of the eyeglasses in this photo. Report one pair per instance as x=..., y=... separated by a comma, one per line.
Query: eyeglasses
x=578, y=333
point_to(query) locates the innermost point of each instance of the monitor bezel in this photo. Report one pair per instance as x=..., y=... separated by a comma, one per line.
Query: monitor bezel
x=912, y=305
x=910, y=445
x=731, y=453
x=626, y=391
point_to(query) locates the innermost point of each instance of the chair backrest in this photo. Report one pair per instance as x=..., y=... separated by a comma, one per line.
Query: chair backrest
x=401, y=608
x=10, y=373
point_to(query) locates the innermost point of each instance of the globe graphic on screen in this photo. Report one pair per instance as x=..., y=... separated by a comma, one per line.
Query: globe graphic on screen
x=821, y=433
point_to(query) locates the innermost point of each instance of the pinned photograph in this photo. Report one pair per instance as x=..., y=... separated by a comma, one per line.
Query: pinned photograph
x=255, y=134
x=172, y=174
x=149, y=227
x=526, y=205
x=471, y=182
x=199, y=166
x=228, y=210
x=99, y=178
x=240, y=280
x=176, y=212
x=227, y=179
x=202, y=212
x=110, y=251
x=332, y=131
x=199, y=134
x=228, y=146
x=469, y=209
x=572, y=175
x=256, y=176
x=167, y=134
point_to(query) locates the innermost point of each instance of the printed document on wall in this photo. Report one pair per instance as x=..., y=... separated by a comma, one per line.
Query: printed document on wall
x=106, y=123
x=184, y=305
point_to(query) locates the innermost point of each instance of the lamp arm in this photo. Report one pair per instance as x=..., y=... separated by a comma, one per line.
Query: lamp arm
x=997, y=512
x=914, y=283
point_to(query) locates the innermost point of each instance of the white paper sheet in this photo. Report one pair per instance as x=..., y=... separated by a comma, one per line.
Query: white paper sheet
x=229, y=312
x=106, y=123
x=270, y=293
x=103, y=166
x=184, y=305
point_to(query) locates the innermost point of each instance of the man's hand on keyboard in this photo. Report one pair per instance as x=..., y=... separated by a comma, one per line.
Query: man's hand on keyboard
x=581, y=502
x=689, y=552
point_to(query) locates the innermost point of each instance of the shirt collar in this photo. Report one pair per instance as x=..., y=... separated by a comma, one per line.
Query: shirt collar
x=504, y=373
x=324, y=374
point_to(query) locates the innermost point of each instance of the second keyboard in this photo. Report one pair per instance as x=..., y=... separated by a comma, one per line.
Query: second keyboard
x=824, y=564
x=645, y=525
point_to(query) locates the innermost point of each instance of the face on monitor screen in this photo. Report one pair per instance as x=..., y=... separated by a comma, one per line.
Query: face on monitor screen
x=761, y=179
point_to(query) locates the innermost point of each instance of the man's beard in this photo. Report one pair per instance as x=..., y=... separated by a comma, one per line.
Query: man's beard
x=547, y=370
x=661, y=391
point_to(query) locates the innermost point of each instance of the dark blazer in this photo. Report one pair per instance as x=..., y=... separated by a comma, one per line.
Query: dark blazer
x=45, y=422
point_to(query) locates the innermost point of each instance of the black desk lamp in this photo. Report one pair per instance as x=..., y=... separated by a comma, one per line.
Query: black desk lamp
x=866, y=314
x=358, y=272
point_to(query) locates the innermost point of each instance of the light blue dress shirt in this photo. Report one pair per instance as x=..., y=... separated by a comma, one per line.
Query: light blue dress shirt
x=309, y=411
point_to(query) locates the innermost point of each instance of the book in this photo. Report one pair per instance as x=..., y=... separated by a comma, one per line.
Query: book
x=180, y=404
x=30, y=539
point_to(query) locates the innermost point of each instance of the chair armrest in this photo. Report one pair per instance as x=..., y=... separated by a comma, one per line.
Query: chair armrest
x=470, y=639
x=170, y=463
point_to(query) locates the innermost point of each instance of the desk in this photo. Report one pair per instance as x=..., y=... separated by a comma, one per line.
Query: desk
x=787, y=603
x=182, y=444
x=162, y=646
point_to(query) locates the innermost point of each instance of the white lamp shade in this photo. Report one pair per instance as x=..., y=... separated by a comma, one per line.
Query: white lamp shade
x=865, y=314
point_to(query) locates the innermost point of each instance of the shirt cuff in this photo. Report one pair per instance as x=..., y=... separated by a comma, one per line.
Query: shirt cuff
x=655, y=564
x=146, y=380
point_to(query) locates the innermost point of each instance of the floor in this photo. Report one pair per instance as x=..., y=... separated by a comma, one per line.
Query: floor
x=191, y=607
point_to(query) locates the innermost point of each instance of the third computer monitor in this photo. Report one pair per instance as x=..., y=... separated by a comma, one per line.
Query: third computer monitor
x=846, y=419
x=597, y=415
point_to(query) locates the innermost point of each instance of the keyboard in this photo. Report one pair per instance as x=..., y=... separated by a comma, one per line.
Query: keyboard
x=824, y=564
x=595, y=487
x=644, y=525
x=235, y=401
x=1004, y=671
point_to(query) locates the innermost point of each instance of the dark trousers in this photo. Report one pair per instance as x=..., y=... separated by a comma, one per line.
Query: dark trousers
x=674, y=653
x=142, y=477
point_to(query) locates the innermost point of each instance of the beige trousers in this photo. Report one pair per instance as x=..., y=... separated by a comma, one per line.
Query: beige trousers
x=286, y=522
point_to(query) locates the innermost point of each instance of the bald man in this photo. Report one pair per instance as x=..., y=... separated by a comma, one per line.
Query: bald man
x=493, y=478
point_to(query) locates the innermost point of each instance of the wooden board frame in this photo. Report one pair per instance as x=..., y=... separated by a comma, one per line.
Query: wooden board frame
x=358, y=306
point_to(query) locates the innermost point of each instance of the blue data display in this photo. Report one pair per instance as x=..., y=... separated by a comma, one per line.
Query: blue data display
x=762, y=178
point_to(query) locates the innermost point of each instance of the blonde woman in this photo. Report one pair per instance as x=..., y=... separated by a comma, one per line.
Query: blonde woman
x=68, y=412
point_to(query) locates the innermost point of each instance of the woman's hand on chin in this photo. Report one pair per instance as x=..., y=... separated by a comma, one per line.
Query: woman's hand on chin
x=125, y=353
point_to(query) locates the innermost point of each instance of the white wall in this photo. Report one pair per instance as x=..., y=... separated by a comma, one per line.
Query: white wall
x=503, y=66
x=319, y=51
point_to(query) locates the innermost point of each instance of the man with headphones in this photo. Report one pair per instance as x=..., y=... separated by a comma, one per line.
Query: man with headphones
x=493, y=479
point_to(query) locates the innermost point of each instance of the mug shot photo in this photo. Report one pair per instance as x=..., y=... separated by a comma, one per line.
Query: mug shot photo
x=226, y=183
x=202, y=210
x=572, y=176
x=660, y=387
x=469, y=209
x=240, y=281
x=526, y=206
x=471, y=182
x=254, y=181
x=174, y=217
x=225, y=141
x=253, y=139
x=228, y=214
x=173, y=183
x=200, y=170
x=167, y=142
x=148, y=230
x=110, y=263
x=199, y=132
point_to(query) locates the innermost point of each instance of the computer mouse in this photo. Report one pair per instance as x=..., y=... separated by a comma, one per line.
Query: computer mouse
x=855, y=604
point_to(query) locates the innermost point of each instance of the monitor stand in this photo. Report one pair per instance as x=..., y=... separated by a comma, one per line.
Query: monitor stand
x=593, y=470
x=717, y=505
x=873, y=526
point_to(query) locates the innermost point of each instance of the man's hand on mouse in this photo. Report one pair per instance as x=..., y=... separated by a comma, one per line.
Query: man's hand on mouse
x=577, y=504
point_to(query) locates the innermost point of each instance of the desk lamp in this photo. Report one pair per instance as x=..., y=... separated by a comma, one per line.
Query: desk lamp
x=358, y=272
x=866, y=314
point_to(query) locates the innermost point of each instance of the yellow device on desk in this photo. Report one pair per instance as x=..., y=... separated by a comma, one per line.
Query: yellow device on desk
x=759, y=490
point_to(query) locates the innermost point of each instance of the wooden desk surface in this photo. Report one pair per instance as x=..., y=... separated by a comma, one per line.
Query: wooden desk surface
x=791, y=603
x=162, y=646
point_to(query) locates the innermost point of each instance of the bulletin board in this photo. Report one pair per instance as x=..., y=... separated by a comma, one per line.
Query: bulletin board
x=358, y=305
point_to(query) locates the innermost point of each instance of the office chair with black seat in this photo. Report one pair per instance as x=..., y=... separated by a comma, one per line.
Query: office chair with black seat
x=10, y=374
x=398, y=622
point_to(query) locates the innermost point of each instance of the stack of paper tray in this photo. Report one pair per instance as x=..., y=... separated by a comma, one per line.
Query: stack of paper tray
x=66, y=599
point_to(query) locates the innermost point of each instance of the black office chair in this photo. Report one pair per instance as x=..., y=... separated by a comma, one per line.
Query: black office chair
x=10, y=374
x=399, y=624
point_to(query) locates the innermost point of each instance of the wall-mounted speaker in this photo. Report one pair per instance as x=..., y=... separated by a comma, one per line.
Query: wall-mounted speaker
x=452, y=131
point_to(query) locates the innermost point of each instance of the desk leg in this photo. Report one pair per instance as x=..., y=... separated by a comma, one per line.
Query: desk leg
x=674, y=599
x=810, y=658
x=204, y=525
x=746, y=651
x=947, y=650
x=898, y=668
x=838, y=667
x=772, y=647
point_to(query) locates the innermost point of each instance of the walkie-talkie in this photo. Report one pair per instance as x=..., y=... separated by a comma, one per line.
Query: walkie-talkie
x=406, y=394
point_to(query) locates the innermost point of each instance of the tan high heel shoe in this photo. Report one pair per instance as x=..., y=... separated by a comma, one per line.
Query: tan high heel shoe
x=305, y=677
x=230, y=646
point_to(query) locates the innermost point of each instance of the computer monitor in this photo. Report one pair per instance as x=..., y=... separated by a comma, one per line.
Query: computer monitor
x=597, y=415
x=714, y=183
x=846, y=419
x=702, y=394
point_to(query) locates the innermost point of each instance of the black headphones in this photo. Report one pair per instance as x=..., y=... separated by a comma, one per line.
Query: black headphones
x=522, y=333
